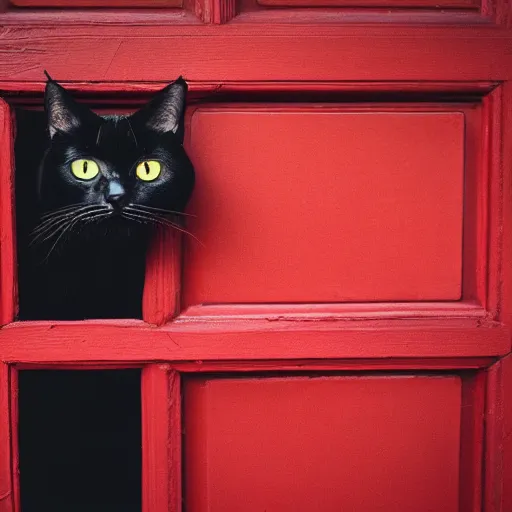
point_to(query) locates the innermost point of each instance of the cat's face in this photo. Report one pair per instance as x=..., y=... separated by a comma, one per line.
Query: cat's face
x=100, y=168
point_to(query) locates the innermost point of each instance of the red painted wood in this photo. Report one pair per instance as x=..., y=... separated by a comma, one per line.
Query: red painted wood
x=155, y=438
x=247, y=11
x=472, y=441
x=494, y=154
x=311, y=444
x=506, y=500
x=278, y=53
x=308, y=55
x=175, y=462
x=334, y=365
x=162, y=287
x=8, y=292
x=498, y=440
x=96, y=3
x=6, y=484
x=321, y=205
x=14, y=417
x=295, y=365
x=251, y=340
x=476, y=201
x=215, y=11
x=493, y=476
x=505, y=299
x=335, y=312
x=404, y=4
x=199, y=90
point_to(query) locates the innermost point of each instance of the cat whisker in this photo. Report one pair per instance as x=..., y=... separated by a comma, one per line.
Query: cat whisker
x=52, y=220
x=47, y=226
x=97, y=217
x=61, y=210
x=71, y=223
x=145, y=216
x=55, y=227
x=152, y=208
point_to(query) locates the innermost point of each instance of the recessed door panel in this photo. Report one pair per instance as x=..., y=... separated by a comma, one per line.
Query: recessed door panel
x=325, y=444
x=325, y=205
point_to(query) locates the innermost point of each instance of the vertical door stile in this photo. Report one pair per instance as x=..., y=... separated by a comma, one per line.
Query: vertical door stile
x=161, y=440
x=6, y=484
x=8, y=288
x=162, y=288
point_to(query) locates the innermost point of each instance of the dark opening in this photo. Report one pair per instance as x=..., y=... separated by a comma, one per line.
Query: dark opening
x=70, y=271
x=80, y=440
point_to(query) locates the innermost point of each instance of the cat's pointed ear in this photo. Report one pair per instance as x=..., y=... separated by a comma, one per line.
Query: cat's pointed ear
x=64, y=114
x=165, y=111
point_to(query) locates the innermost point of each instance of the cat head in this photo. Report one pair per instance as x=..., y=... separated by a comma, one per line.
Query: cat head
x=129, y=167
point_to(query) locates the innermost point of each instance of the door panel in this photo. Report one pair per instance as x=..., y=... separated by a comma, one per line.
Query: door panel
x=322, y=444
x=324, y=205
x=461, y=4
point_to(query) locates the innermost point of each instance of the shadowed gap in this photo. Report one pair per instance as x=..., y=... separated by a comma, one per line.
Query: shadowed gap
x=80, y=440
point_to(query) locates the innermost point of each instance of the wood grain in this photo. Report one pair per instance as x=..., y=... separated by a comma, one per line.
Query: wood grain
x=498, y=439
x=252, y=340
x=500, y=155
x=493, y=153
x=472, y=441
x=326, y=366
x=215, y=11
x=155, y=438
x=335, y=312
x=6, y=485
x=73, y=4
x=8, y=287
x=162, y=286
x=115, y=54
x=403, y=4
x=119, y=92
x=175, y=461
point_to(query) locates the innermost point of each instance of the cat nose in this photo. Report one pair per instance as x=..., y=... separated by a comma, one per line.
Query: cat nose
x=115, y=193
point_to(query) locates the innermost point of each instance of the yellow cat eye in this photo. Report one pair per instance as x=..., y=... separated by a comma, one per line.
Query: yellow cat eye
x=84, y=169
x=149, y=170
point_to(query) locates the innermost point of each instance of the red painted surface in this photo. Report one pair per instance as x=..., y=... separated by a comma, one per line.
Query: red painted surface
x=14, y=417
x=96, y=3
x=8, y=287
x=6, y=487
x=498, y=475
x=472, y=441
x=461, y=4
x=275, y=52
x=155, y=438
x=506, y=500
x=162, y=288
x=317, y=204
x=251, y=340
x=330, y=444
x=448, y=64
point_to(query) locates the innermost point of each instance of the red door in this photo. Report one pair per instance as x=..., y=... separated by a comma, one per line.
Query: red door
x=335, y=337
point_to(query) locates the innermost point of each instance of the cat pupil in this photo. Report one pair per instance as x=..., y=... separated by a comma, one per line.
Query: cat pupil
x=85, y=167
x=146, y=166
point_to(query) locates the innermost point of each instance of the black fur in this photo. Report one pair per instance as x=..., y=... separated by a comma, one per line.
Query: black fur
x=82, y=244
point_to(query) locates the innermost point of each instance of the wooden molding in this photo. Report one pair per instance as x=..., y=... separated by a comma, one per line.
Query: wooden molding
x=162, y=288
x=6, y=484
x=243, y=340
x=8, y=286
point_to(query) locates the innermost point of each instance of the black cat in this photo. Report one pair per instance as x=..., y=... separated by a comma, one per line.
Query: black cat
x=89, y=189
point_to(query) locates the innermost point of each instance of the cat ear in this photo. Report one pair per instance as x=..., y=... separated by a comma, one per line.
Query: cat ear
x=164, y=113
x=64, y=114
